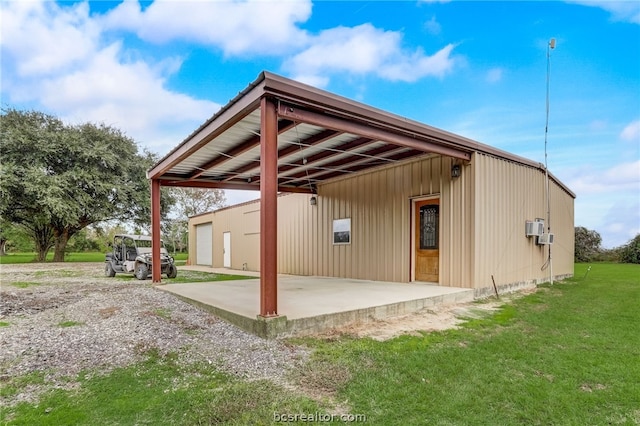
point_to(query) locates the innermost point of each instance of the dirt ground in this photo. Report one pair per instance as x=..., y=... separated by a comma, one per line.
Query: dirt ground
x=434, y=319
x=64, y=318
x=61, y=319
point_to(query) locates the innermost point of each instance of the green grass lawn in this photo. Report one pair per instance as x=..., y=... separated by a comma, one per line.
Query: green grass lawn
x=71, y=257
x=190, y=277
x=184, y=276
x=568, y=354
x=160, y=391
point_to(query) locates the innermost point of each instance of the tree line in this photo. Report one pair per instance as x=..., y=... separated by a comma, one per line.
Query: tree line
x=588, y=248
x=59, y=181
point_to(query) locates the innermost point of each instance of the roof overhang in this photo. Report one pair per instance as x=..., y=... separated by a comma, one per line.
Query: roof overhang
x=321, y=136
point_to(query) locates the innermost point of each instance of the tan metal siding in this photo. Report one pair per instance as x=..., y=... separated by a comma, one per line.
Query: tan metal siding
x=482, y=213
x=295, y=240
x=240, y=221
x=379, y=205
x=457, y=232
x=562, y=225
x=506, y=195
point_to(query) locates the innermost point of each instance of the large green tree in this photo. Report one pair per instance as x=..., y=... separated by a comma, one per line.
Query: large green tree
x=630, y=252
x=193, y=201
x=13, y=238
x=587, y=244
x=56, y=179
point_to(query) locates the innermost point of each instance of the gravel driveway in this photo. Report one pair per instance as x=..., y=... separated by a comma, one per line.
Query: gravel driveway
x=64, y=318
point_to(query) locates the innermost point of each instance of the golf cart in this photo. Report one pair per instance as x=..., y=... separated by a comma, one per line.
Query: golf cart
x=132, y=253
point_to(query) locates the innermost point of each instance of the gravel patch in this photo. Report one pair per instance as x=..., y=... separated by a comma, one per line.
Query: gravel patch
x=67, y=318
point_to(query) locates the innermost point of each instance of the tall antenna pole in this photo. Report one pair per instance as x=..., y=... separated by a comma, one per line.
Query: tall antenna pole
x=551, y=45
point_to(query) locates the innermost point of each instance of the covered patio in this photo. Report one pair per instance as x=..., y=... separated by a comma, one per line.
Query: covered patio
x=279, y=135
x=314, y=304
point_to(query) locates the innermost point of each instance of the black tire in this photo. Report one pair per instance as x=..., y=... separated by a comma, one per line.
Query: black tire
x=172, y=272
x=141, y=272
x=108, y=270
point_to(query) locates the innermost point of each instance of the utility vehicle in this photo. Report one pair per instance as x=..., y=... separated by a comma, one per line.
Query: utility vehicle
x=132, y=254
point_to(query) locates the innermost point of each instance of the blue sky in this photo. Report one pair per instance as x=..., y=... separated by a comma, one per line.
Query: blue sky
x=157, y=70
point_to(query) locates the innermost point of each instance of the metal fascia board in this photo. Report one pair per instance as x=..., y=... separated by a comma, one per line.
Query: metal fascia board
x=242, y=105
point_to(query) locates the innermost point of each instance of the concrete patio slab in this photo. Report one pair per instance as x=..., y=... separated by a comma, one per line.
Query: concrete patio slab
x=313, y=304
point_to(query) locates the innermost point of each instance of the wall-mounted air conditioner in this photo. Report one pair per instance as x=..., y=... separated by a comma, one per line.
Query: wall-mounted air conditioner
x=534, y=228
x=545, y=239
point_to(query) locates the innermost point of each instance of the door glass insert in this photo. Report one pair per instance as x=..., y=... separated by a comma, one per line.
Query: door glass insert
x=429, y=226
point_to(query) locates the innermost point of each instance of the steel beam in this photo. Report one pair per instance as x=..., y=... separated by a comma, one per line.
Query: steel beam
x=364, y=157
x=291, y=149
x=268, y=208
x=155, y=231
x=183, y=181
x=421, y=143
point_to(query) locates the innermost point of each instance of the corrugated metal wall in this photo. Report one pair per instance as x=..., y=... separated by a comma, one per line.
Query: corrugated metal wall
x=297, y=235
x=563, y=226
x=379, y=205
x=507, y=194
x=483, y=214
x=457, y=228
x=243, y=222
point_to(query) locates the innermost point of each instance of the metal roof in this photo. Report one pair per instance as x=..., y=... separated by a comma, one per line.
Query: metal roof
x=321, y=136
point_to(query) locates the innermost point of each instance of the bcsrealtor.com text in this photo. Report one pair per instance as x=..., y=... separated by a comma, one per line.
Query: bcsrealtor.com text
x=318, y=418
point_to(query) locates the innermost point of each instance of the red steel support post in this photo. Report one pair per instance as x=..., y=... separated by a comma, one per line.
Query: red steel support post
x=268, y=208
x=155, y=230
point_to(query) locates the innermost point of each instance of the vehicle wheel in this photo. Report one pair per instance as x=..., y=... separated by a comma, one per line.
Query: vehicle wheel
x=108, y=270
x=141, y=272
x=172, y=272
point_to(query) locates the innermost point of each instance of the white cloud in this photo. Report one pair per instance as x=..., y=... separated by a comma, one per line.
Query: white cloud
x=413, y=67
x=631, y=133
x=433, y=26
x=44, y=38
x=237, y=27
x=358, y=50
x=620, y=177
x=61, y=59
x=128, y=95
x=617, y=219
x=93, y=83
x=628, y=11
x=365, y=49
x=597, y=125
x=621, y=222
x=494, y=75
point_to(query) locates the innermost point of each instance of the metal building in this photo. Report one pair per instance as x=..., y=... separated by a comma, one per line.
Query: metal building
x=350, y=191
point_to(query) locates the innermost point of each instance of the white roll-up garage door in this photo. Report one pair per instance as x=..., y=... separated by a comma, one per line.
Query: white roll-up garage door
x=204, y=244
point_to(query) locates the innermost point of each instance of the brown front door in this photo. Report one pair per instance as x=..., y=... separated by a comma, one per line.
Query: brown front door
x=427, y=240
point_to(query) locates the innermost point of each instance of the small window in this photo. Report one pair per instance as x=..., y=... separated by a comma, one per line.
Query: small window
x=342, y=231
x=429, y=219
